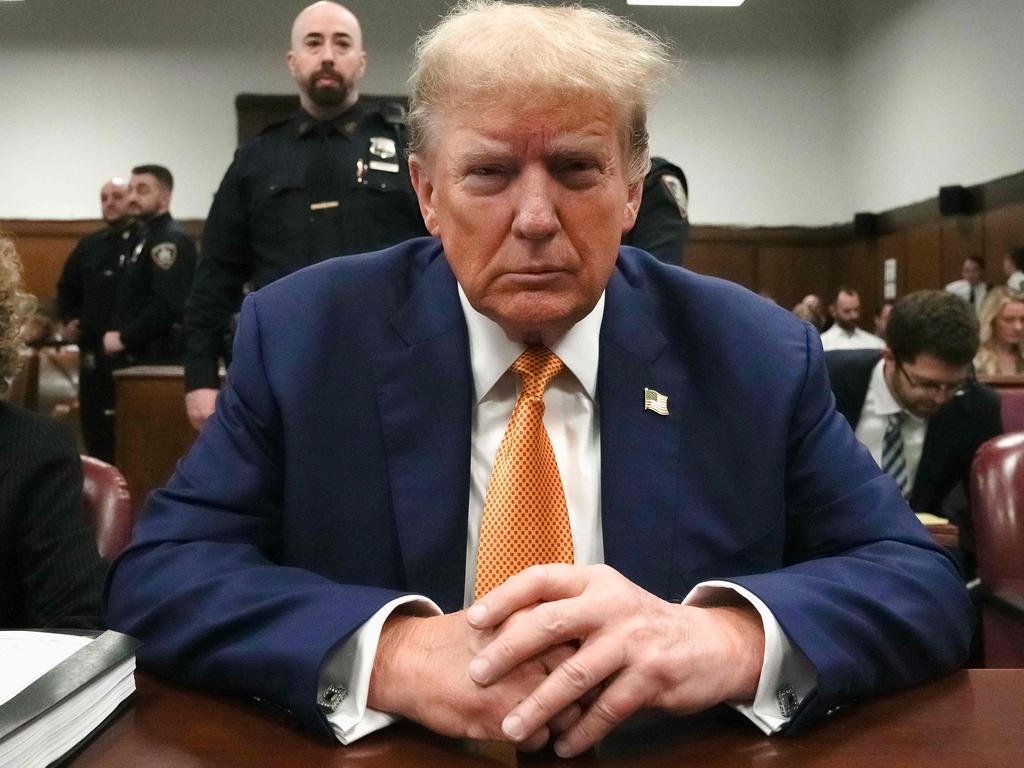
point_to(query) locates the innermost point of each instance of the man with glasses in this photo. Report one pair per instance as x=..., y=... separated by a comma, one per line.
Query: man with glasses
x=915, y=404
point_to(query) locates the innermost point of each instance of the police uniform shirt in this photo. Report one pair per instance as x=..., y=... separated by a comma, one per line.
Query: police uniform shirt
x=301, y=192
x=157, y=280
x=662, y=225
x=89, y=283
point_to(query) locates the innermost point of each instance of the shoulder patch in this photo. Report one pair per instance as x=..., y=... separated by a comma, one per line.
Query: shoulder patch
x=675, y=188
x=164, y=255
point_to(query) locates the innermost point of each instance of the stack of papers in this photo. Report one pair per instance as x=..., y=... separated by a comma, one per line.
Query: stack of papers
x=57, y=689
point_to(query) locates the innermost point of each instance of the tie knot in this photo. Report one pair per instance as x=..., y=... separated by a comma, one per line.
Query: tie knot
x=537, y=366
x=896, y=419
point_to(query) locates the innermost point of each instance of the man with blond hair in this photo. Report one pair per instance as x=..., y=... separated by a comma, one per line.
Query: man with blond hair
x=330, y=181
x=515, y=482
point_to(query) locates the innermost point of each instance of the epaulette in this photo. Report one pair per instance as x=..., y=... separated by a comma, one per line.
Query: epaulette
x=275, y=125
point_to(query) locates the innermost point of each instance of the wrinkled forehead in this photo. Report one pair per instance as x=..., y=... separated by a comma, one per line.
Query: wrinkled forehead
x=529, y=122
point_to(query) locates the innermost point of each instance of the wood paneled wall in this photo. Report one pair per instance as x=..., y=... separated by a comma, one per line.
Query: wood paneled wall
x=44, y=247
x=788, y=263
x=784, y=263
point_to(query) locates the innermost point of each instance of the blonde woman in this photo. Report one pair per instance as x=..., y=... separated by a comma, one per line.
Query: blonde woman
x=1002, y=326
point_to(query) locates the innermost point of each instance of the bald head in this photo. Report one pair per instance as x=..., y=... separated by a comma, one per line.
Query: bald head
x=327, y=59
x=114, y=201
x=324, y=11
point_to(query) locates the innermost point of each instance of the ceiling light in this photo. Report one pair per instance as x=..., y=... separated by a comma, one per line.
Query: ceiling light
x=721, y=3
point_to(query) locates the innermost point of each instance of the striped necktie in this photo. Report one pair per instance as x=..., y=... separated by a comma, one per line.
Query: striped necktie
x=893, y=461
x=525, y=520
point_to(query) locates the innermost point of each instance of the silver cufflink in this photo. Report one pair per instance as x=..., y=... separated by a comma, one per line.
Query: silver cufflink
x=332, y=696
x=788, y=701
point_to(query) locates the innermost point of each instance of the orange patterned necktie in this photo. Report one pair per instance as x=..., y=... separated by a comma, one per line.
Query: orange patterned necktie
x=525, y=519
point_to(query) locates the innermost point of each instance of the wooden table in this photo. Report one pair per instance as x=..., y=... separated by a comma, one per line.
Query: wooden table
x=973, y=719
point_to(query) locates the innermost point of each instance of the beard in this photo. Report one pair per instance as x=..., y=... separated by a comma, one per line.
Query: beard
x=328, y=96
x=142, y=214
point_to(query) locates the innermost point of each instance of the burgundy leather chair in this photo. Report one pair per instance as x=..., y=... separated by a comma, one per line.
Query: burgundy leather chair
x=108, y=504
x=997, y=498
x=1012, y=400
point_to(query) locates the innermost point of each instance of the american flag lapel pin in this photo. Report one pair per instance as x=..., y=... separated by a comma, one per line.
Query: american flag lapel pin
x=655, y=401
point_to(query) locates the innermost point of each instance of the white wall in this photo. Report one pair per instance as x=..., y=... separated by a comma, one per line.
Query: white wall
x=765, y=115
x=932, y=95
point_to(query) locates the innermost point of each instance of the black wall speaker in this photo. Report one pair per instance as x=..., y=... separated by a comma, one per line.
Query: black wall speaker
x=865, y=224
x=954, y=201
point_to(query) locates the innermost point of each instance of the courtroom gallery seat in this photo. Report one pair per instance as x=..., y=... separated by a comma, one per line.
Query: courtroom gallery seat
x=997, y=497
x=108, y=505
x=1012, y=408
x=1011, y=395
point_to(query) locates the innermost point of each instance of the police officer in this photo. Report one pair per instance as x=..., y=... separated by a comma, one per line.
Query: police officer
x=331, y=181
x=662, y=226
x=157, y=277
x=87, y=293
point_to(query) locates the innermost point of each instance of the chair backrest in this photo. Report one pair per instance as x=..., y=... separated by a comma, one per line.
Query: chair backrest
x=997, y=503
x=1011, y=396
x=108, y=505
x=1012, y=408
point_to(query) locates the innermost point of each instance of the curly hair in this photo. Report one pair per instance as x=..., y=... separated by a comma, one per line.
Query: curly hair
x=15, y=308
x=935, y=323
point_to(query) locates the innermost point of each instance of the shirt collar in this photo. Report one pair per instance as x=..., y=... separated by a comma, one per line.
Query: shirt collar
x=491, y=352
x=345, y=123
x=882, y=401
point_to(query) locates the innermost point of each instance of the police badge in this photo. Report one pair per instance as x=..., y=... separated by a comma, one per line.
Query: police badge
x=164, y=255
x=383, y=147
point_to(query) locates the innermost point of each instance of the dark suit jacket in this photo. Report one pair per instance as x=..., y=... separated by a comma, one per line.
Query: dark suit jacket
x=340, y=450
x=954, y=433
x=50, y=572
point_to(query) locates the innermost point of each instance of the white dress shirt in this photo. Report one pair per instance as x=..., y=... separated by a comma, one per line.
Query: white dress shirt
x=836, y=338
x=571, y=420
x=879, y=404
x=972, y=294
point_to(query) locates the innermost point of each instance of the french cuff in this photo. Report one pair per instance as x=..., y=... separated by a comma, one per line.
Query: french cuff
x=344, y=682
x=787, y=675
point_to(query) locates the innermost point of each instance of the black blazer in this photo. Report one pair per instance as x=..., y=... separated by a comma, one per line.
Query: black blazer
x=954, y=432
x=50, y=572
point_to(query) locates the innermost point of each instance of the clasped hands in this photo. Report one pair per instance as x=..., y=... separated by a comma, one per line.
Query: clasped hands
x=565, y=653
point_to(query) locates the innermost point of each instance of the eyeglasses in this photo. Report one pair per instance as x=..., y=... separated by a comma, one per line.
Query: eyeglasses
x=937, y=387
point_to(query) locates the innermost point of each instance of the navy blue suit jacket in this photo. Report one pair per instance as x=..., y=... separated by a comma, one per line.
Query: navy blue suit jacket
x=335, y=476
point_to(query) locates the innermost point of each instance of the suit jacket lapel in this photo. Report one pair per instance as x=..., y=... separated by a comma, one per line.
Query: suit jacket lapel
x=934, y=456
x=639, y=448
x=424, y=388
